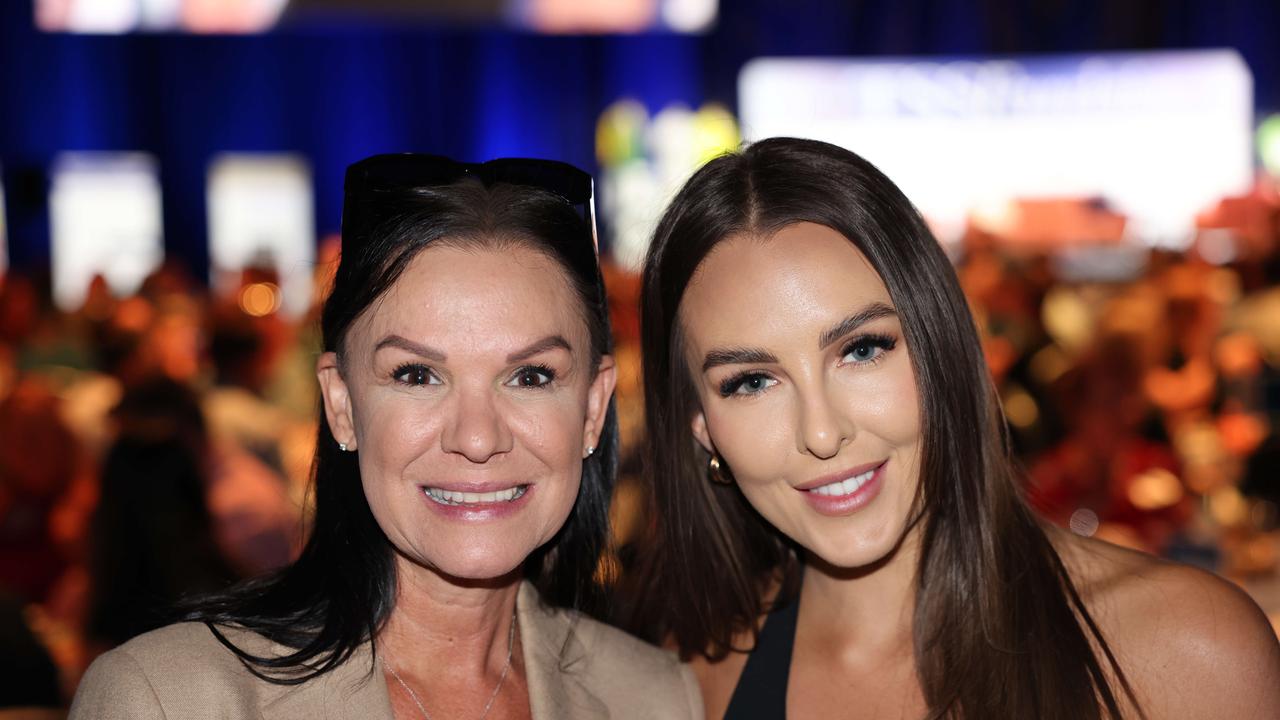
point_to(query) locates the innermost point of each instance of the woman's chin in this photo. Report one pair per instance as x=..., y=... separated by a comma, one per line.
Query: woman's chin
x=852, y=555
x=482, y=570
x=473, y=569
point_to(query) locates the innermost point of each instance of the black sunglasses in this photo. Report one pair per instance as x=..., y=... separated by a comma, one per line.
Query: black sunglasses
x=375, y=179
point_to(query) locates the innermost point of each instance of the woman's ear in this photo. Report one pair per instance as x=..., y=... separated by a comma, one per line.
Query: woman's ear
x=699, y=427
x=598, y=396
x=337, y=400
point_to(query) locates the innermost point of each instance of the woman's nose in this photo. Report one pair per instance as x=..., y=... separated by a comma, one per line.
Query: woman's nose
x=823, y=428
x=477, y=430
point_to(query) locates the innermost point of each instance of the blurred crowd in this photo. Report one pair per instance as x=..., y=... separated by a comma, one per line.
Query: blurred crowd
x=151, y=447
x=158, y=445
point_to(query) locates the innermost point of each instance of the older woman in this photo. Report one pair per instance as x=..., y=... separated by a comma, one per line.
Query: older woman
x=841, y=533
x=462, y=476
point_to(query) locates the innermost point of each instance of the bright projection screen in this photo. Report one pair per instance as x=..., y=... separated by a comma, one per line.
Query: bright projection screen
x=104, y=216
x=1159, y=136
x=255, y=16
x=261, y=214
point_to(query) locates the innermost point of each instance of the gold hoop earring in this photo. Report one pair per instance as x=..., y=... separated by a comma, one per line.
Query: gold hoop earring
x=717, y=472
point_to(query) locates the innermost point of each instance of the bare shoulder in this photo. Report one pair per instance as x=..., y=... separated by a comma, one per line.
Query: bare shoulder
x=1192, y=644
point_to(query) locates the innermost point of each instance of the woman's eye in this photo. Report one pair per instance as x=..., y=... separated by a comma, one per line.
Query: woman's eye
x=868, y=349
x=749, y=384
x=533, y=377
x=415, y=375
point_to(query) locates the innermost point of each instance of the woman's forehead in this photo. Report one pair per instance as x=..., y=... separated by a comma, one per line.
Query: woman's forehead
x=476, y=296
x=804, y=271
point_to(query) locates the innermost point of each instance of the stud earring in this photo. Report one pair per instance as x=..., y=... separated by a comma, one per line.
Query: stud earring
x=717, y=472
x=342, y=447
x=591, y=449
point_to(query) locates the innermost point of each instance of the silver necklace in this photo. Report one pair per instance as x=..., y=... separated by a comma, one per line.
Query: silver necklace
x=506, y=667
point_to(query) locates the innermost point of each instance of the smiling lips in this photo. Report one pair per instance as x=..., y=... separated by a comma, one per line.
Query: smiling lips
x=845, y=493
x=845, y=487
x=455, y=498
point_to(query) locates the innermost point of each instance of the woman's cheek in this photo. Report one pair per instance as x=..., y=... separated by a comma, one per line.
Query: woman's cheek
x=883, y=402
x=753, y=441
x=548, y=426
x=395, y=428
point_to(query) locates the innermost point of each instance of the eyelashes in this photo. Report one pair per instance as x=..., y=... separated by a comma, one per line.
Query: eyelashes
x=414, y=374
x=748, y=383
x=863, y=350
x=534, y=376
x=869, y=348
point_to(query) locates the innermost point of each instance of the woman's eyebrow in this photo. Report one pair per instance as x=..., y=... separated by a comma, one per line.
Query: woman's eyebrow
x=426, y=351
x=874, y=311
x=737, y=356
x=546, y=343
x=396, y=341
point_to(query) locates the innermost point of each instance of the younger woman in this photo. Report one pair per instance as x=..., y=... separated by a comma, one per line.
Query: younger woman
x=839, y=531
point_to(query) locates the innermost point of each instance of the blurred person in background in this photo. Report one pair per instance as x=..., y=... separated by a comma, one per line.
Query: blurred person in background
x=463, y=469
x=245, y=351
x=154, y=357
x=254, y=523
x=40, y=459
x=151, y=540
x=839, y=531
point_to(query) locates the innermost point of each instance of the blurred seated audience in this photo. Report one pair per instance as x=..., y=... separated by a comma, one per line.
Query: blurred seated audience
x=254, y=523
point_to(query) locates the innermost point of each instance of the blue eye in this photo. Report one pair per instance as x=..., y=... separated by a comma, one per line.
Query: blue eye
x=533, y=376
x=868, y=348
x=750, y=383
x=415, y=374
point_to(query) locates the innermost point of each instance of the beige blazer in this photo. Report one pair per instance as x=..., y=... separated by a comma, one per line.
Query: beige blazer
x=575, y=668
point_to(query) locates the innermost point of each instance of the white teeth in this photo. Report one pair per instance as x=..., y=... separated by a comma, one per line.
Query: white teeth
x=844, y=487
x=452, y=497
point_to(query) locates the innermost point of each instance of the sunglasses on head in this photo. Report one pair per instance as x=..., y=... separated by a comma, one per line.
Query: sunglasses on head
x=379, y=178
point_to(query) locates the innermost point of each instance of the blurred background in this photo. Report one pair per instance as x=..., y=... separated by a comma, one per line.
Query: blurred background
x=1104, y=175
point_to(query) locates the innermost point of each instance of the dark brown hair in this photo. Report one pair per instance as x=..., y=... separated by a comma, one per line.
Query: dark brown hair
x=999, y=628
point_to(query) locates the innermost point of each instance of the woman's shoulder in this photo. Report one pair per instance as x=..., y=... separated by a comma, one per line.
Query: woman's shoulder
x=558, y=628
x=1191, y=643
x=177, y=666
x=191, y=648
x=632, y=677
x=606, y=641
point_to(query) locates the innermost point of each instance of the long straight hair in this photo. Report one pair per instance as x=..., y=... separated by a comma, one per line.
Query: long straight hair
x=999, y=628
x=342, y=588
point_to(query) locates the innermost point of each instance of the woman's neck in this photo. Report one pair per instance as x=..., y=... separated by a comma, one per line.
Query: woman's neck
x=868, y=608
x=440, y=622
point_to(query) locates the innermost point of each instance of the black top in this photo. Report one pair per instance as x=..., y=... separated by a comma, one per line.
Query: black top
x=761, y=693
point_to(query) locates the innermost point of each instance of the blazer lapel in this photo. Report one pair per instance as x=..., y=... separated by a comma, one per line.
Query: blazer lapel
x=552, y=662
